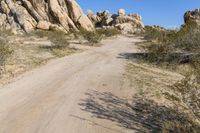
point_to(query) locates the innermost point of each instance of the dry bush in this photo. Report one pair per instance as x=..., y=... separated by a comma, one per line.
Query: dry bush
x=58, y=38
x=188, y=37
x=189, y=93
x=5, y=51
x=180, y=127
x=163, y=44
x=92, y=37
x=157, y=52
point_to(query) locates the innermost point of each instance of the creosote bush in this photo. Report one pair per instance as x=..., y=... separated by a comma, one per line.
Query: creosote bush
x=60, y=42
x=94, y=37
x=5, y=51
x=163, y=44
x=91, y=36
x=58, y=38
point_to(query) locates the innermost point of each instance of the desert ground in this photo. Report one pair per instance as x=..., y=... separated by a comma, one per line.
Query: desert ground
x=87, y=92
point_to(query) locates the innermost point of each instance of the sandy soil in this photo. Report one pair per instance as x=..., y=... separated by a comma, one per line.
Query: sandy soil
x=50, y=99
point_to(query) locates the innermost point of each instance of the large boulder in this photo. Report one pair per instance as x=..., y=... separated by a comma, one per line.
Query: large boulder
x=125, y=27
x=28, y=15
x=192, y=16
x=85, y=23
x=43, y=25
x=93, y=17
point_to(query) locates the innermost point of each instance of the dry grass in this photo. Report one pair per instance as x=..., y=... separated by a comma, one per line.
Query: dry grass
x=178, y=49
x=30, y=51
x=170, y=91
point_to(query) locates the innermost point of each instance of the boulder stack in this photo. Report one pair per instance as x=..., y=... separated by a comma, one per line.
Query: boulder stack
x=121, y=12
x=192, y=16
x=127, y=23
x=27, y=15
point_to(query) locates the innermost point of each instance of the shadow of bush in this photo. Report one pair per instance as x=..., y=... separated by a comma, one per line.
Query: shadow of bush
x=139, y=115
x=174, y=58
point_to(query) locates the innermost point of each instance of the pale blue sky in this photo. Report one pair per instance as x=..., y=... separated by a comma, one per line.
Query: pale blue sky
x=167, y=13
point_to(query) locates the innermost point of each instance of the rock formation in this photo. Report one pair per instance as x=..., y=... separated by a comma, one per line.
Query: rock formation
x=192, y=15
x=130, y=23
x=27, y=15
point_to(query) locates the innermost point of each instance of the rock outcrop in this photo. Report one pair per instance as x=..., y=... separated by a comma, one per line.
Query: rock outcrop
x=193, y=16
x=127, y=23
x=27, y=15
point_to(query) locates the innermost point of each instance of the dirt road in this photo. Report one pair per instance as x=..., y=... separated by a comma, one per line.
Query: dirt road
x=50, y=99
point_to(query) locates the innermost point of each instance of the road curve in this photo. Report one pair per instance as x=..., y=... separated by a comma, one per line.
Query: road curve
x=48, y=99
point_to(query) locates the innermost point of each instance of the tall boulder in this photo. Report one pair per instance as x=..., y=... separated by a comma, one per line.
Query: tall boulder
x=78, y=17
x=28, y=15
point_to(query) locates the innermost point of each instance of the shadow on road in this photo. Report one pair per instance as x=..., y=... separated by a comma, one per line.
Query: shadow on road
x=139, y=115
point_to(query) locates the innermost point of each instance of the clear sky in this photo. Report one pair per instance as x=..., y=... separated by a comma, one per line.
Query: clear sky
x=167, y=13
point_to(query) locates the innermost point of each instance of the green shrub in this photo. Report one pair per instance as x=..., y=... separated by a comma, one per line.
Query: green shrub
x=188, y=37
x=154, y=33
x=58, y=38
x=91, y=36
x=162, y=43
x=157, y=52
x=159, y=34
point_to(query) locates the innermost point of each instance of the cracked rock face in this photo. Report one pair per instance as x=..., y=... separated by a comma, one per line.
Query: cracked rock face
x=28, y=15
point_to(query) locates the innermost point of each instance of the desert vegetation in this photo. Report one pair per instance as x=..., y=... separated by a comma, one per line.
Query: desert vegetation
x=22, y=52
x=95, y=37
x=5, y=52
x=177, y=50
x=19, y=53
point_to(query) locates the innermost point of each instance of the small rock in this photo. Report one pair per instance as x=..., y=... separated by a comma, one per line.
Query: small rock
x=43, y=25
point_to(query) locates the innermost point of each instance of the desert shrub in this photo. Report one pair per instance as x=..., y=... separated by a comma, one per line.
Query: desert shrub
x=5, y=33
x=5, y=51
x=154, y=33
x=91, y=36
x=60, y=42
x=189, y=93
x=188, y=37
x=159, y=45
x=180, y=127
x=109, y=32
x=175, y=46
x=157, y=52
x=58, y=38
x=163, y=44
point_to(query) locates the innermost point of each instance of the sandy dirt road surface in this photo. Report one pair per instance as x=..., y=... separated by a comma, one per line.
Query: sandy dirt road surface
x=51, y=99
